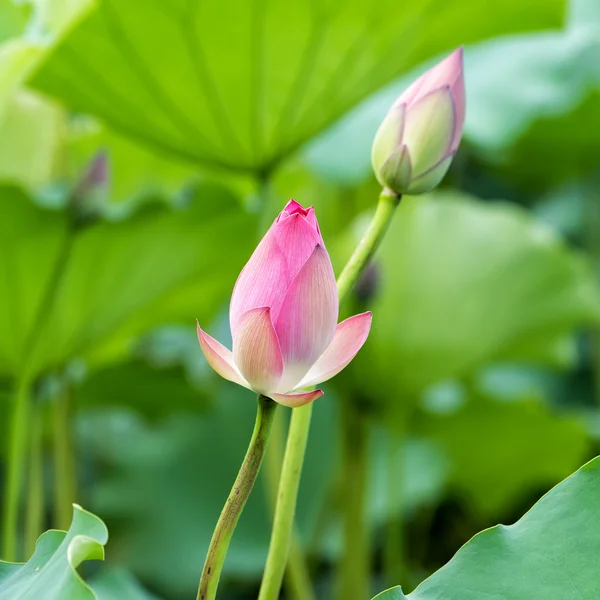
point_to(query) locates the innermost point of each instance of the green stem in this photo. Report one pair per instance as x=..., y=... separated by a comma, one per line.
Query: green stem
x=353, y=575
x=34, y=518
x=300, y=423
x=297, y=574
x=368, y=245
x=285, y=510
x=64, y=460
x=20, y=414
x=234, y=505
x=15, y=467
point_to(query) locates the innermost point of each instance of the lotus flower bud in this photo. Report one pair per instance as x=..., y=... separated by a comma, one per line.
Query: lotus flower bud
x=283, y=316
x=417, y=139
x=90, y=195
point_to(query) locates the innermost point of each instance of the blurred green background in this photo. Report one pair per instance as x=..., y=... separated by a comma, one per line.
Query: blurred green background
x=145, y=147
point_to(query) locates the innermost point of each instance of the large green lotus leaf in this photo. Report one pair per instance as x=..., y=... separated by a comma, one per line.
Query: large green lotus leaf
x=394, y=593
x=551, y=552
x=465, y=283
x=118, y=584
x=50, y=574
x=119, y=277
x=501, y=451
x=25, y=44
x=240, y=84
x=169, y=481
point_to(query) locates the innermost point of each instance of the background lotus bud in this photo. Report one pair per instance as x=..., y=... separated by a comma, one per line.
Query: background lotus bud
x=417, y=139
x=90, y=194
x=283, y=316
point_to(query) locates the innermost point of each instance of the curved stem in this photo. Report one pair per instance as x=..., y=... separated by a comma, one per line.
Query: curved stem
x=368, y=245
x=300, y=423
x=16, y=458
x=283, y=522
x=234, y=505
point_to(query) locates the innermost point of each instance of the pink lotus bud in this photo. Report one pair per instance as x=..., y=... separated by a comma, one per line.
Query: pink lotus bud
x=283, y=316
x=417, y=139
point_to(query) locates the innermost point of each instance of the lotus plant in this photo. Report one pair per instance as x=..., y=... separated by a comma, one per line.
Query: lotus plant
x=284, y=307
x=418, y=138
x=283, y=316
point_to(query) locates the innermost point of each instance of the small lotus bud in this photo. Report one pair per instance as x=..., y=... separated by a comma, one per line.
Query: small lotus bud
x=90, y=193
x=417, y=139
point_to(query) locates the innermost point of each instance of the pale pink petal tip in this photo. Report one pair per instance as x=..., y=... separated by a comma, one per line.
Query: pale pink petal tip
x=350, y=335
x=219, y=358
x=298, y=399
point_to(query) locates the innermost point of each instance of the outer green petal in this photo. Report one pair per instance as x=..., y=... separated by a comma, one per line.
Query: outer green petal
x=397, y=171
x=429, y=129
x=388, y=136
x=430, y=179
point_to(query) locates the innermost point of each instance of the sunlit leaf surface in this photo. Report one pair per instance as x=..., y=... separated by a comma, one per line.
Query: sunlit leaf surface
x=240, y=84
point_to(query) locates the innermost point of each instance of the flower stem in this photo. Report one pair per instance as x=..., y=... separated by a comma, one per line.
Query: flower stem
x=34, y=517
x=300, y=422
x=234, y=505
x=64, y=459
x=16, y=459
x=283, y=522
x=368, y=245
x=297, y=573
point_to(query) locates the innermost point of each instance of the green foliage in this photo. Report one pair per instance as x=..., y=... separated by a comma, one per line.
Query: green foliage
x=118, y=584
x=51, y=572
x=242, y=92
x=169, y=481
x=21, y=52
x=394, y=593
x=464, y=284
x=549, y=553
x=501, y=450
x=98, y=288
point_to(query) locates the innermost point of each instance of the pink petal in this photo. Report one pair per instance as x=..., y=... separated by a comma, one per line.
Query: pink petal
x=308, y=316
x=293, y=207
x=350, y=335
x=272, y=267
x=295, y=400
x=447, y=72
x=256, y=350
x=219, y=358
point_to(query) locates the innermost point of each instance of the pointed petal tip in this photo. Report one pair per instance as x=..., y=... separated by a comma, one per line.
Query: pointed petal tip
x=293, y=207
x=219, y=357
x=296, y=399
x=350, y=336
